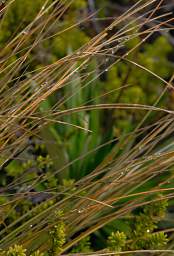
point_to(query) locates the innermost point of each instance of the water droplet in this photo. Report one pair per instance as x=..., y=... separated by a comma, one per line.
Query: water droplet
x=24, y=32
x=119, y=40
x=110, y=28
x=122, y=173
x=148, y=230
x=149, y=157
x=119, y=46
x=44, y=84
x=13, y=109
x=107, y=59
x=157, y=154
x=127, y=170
x=43, y=8
x=31, y=226
x=126, y=38
x=106, y=69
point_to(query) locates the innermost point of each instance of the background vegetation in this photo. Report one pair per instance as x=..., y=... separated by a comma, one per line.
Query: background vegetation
x=86, y=127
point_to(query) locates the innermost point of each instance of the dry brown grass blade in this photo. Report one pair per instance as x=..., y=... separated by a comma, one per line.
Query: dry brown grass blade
x=103, y=191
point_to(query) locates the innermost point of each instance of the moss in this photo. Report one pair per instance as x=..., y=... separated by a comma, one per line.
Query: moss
x=16, y=250
x=116, y=241
x=57, y=235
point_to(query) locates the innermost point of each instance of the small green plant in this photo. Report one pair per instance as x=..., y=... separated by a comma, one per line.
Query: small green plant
x=16, y=250
x=141, y=234
x=58, y=239
x=37, y=253
x=116, y=241
x=57, y=235
x=84, y=246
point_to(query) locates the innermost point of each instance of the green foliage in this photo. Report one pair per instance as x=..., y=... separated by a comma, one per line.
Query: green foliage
x=155, y=241
x=18, y=17
x=57, y=235
x=140, y=232
x=44, y=162
x=84, y=246
x=139, y=235
x=156, y=210
x=16, y=250
x=142, y=87
x=42, y=177
x=116, y=241
x=72, y=40
x=37, y=253
x=143, y=224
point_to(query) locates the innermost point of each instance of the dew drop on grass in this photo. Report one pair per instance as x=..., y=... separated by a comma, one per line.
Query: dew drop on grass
x=107, y=59
x=149, y=157
x=157, y=154
x=106, y=69
x=123, y=39
x=13, y=109
x=148, y=230
x=44, y=84
x=126, y=38
x=140, y=148
x=127, y=170
x=24, y=32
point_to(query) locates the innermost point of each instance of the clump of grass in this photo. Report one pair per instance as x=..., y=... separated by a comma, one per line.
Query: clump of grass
x=38, y=103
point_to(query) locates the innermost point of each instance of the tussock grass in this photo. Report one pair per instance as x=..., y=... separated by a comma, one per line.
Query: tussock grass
x=122, y=181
